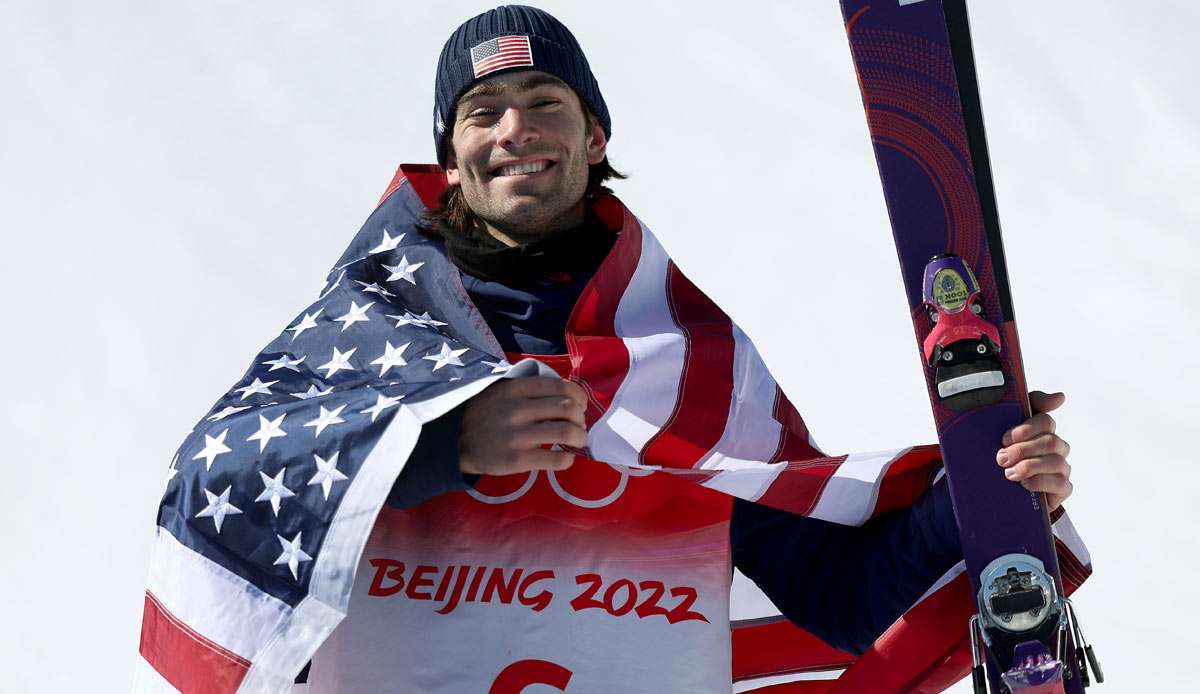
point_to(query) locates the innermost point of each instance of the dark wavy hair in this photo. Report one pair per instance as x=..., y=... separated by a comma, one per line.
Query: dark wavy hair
x=453, y=212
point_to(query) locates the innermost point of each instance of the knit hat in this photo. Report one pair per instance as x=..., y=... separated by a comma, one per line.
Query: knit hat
x=506, y=39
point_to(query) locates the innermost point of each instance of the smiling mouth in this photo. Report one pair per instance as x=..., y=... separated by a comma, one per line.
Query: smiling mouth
x=524, y=169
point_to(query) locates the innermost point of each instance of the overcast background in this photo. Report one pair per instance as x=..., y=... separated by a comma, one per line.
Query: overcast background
x=177, y=177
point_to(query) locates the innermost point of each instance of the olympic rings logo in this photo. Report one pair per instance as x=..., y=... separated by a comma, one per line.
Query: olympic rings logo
x=552, y=476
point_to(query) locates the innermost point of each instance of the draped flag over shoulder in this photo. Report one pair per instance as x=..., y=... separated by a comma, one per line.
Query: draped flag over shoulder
x=271, y=497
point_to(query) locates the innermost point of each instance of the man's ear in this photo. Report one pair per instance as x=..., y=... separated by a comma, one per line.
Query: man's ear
x=597, y=142
x=452, y=177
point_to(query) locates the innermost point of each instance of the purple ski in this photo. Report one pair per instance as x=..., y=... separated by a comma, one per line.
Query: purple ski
x=917, y=74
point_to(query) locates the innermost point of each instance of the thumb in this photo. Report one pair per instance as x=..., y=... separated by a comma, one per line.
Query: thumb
x=1045, y=402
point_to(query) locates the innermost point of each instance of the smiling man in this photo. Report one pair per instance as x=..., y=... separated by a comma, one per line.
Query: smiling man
x=509, y=555
x=510, y=444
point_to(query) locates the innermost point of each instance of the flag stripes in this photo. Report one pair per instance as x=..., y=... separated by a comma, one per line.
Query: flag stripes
x=673, y=385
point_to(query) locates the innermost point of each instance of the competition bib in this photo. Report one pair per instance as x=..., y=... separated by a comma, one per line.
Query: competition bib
x=592, y=579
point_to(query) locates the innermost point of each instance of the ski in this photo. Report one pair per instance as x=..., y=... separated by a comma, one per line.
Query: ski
x=917, y=75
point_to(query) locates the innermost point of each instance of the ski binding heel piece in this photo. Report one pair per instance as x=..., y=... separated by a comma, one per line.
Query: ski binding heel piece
x=962, y=346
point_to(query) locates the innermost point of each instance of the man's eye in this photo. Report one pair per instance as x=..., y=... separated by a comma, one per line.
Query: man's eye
x=546, y=102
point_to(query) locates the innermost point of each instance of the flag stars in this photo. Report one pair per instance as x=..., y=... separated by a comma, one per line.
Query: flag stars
x=381, y=403
x=375, y=288
x=339, y=362
x=403, y=271
x=218, y=507
x=308, y=321
x=229, y=409
x=312, y=392
x=273, y=490
x=327, y=418
x=446, y=356
x=292, y=555
x=213, y=447
x=392, y=356
x=268, y=429
x=422, y=321
x=284, y=363
x=356, y=314
x=388, y=243
x=254, y=388
x=498, y=367
x=327, y=473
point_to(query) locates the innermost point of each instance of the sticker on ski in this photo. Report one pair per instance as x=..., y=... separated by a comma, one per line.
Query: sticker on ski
x=962, y=345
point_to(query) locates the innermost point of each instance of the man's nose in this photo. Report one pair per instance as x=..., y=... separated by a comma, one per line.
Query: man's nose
x=515, y=129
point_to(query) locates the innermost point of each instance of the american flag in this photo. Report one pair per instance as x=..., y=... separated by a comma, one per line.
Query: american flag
x=270, y=499
x=499, y=53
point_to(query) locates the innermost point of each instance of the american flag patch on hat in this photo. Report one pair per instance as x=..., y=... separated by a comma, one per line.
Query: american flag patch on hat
x=499, y=53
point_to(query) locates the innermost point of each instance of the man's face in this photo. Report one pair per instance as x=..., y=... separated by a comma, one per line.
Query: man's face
x=521, y=147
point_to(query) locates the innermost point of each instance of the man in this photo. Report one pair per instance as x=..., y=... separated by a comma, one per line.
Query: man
x=400, y=494
x=497, y=514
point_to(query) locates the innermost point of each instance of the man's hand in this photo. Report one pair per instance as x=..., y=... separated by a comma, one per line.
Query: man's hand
x=505, y=426
x=1034, y=455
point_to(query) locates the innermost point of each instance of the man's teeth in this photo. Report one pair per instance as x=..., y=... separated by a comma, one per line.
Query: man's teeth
x=515, y=169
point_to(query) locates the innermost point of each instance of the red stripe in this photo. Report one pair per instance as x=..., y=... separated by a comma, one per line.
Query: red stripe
x=514, y=57
x=798, y=487
x=513, y=53
x=598, y=356
x=427, y=180
x=793, y=434
x=907, y=478
x=924, y=651
x=706, y=384
x=778, y=648
x=489, y=70
x=397, y=181
x=185, y=658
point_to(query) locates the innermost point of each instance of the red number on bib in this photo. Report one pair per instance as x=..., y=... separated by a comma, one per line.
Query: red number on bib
x=586, y=599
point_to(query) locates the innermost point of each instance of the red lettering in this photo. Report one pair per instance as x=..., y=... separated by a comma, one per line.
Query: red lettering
x=475, y=581
x=452, y=602
x=519, y=675
x=386, y=568
x=446, y=576
x=495, y=584
x=683, y=611
x=418, y=581
x=587, y=600
x=610, y=597
x=535, y=602
x=650, y=607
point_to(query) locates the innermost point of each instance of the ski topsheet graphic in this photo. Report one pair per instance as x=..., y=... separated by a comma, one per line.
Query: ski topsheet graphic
x=917, y=75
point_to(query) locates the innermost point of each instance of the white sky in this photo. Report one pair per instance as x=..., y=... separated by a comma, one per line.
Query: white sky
x=176, y=178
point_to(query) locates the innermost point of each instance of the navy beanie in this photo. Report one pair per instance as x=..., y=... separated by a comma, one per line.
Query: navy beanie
x=507, y=39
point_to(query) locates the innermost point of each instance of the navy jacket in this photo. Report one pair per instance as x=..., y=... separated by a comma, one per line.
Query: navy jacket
x=843, y=584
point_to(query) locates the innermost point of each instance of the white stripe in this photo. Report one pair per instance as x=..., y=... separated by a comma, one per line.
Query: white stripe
x=646, y=397
x=747, y=601
x=760, y=682
x=850, y=494
x=751, y=431
x=962, y=384
x=146, y=679
x=210, y=599
x=745, y=479
x=1064, y=530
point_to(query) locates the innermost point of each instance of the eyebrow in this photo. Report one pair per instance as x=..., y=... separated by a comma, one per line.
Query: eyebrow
x=485, y=89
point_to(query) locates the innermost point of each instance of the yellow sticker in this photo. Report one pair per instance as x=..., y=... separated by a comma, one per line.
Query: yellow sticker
x=950, y=291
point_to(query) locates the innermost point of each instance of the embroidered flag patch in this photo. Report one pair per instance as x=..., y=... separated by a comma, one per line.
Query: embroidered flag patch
x=499, y=53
